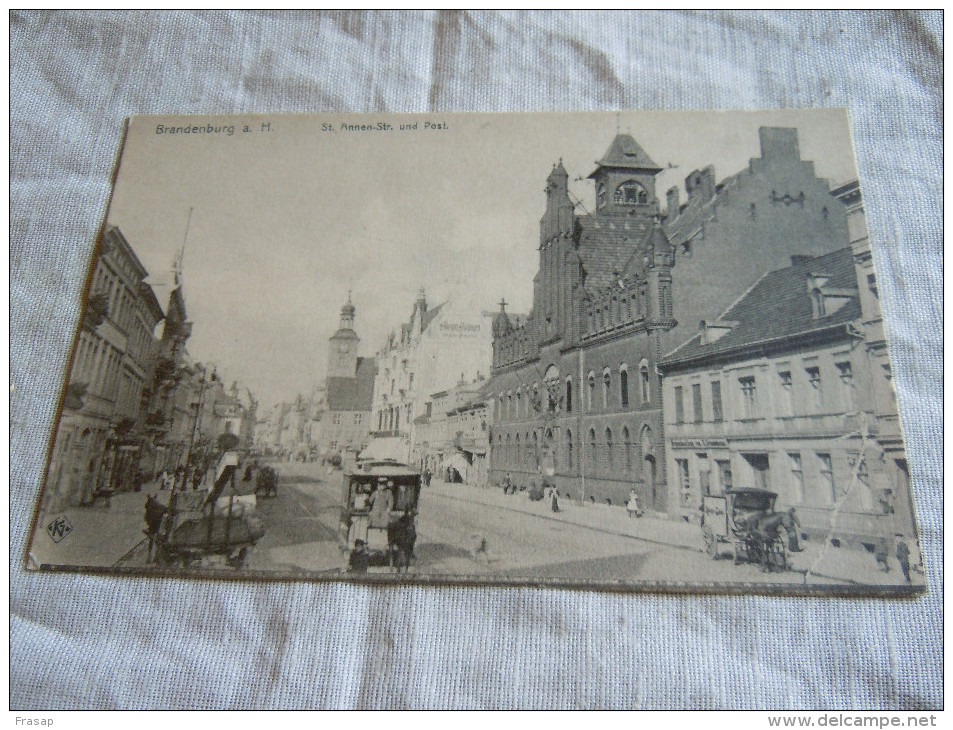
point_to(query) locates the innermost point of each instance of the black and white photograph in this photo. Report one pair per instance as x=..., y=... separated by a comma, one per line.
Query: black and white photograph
x=618, y=350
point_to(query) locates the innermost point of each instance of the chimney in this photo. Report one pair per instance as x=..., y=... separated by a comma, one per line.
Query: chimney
x=701, y=184
x=672, y=203
x=800, y=259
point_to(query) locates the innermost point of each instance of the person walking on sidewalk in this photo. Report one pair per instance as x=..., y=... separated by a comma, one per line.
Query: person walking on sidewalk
x=903, y=556
x=632, y=504
x=881, y=554
x=554, y=499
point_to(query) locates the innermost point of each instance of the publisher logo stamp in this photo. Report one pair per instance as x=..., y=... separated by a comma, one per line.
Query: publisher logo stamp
x=59, y=528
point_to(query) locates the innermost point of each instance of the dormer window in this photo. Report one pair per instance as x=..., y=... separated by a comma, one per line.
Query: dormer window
x=631, y=193
x=602, y=196
x=817, y=304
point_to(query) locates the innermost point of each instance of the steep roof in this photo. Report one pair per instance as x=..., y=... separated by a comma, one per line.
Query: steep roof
x=429, y=316
x=353, y=394
x=609, y=248
x=779, y=307
x=625, y=153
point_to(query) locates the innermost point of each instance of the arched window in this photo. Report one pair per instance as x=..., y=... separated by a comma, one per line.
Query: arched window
x=644, y=379
x=508, y=454
x=592, y=447
x=569, y=394
x=534, y=459
x=606, y=383
x=592, y=388
x=627, y=449
x=569, y=450
x=631, y=193
x=608, y=448
x=624, y=385
x=517, y=455
x=602, y=196
x=529, y=450
x=519, y=402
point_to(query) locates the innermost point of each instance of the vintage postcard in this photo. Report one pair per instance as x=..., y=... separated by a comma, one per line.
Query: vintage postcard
x=638, y=351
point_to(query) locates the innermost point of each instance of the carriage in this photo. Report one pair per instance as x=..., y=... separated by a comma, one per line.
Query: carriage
x=378, y=519
x=745, y=519
x=195, y=526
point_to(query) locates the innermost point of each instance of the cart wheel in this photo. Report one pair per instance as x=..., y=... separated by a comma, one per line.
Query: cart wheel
x=711, y=544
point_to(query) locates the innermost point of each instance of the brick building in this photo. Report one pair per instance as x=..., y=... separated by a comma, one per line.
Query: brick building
x=576, y=392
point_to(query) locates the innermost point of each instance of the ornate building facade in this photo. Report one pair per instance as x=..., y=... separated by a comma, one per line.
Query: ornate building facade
x=103, y=429
x=575, y=391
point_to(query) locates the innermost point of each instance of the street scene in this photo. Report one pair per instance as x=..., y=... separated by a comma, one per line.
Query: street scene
x=656, y=373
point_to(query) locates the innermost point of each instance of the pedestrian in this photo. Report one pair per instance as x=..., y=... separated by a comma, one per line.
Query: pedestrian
x=554, y=499
x=381, y=502
x=881, y=552
x=792, y=526
x=427, y=476
x=903, y=556
x=507, y=484
x=632, y=504
x=359, y=559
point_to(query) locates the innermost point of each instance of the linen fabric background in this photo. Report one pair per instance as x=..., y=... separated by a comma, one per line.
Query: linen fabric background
x=124, y=642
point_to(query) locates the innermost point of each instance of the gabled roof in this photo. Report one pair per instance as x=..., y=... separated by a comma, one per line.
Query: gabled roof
x=429, y=316
x=778, y=307
x=625, y=153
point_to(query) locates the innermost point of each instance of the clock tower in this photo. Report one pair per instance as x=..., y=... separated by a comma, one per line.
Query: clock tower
x=342, y=350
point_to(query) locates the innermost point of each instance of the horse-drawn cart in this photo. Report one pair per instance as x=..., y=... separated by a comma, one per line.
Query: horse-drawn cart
x=745, y=519
x=195, y=525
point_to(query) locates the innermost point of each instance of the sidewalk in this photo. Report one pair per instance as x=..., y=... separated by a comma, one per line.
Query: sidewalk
x=99, y=536
x=842, y=565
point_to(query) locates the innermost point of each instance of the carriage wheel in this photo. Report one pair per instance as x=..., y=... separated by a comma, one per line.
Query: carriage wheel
x=711, y=544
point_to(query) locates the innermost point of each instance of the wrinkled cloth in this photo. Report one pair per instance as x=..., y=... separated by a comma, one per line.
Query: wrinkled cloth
x=85, y=641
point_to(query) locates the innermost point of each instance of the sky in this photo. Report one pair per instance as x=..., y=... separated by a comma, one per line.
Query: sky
x=279, y=225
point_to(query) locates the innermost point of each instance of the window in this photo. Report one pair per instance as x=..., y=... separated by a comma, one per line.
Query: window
x=519, y=403
x=684, y=481
x=568, y=450
x=797, y=478
x=817, y=304
x=704, y=474
x=337, y=419
x=592, y=388
x=716, y=411
x=814, y=380
x=627, y=449
x=517, y=454
x=631, y=193
x=592, y=447
x=846, y=376
x=644, y=378
x=697, y=402
x=826, y=475
x=602, y=196
x=872, y=285
x=608, y=448
x=749, y=396
x=624, y=386
x=787, y=390
x=410, y=381
x=569, y=395
x=724, y=473
x=358, y=419
x=606, y=383
x=679, y=405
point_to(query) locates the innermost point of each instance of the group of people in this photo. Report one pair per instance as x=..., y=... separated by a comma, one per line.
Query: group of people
x=180, y=478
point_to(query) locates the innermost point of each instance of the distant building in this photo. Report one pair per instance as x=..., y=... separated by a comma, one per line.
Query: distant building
x=349, y=392
x=430, y=352
x=452, y=436
x=102, y=432
x=777, y=394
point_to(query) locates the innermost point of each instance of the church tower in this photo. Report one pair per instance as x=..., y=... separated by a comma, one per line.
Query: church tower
x=625, y=180
x=342, y=350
